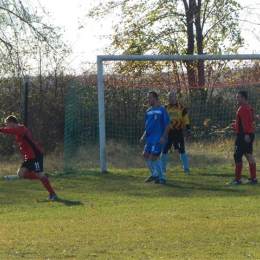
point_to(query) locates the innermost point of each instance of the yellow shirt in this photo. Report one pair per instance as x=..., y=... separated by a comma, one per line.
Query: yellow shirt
x=178, y=115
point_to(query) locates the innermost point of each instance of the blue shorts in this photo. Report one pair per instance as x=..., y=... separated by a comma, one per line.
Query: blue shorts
x=154, y=149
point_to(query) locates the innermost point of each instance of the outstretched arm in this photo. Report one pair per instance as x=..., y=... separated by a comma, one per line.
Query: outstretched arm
x=12, y=130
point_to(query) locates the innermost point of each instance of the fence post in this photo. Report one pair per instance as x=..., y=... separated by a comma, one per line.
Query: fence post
x=26, y=87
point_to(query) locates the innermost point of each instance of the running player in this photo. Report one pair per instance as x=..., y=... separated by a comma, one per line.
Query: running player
x=32, y=165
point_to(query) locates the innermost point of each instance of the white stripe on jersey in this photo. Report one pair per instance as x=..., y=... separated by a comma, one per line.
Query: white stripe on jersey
x=152, y=112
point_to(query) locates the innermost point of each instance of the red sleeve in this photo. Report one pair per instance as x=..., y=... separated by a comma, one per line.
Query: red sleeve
x=13, y=130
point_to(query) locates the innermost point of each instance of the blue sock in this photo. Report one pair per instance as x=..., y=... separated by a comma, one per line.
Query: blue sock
x=150, y=167
x=163, y=161
x=184, y=159
x=158, y=167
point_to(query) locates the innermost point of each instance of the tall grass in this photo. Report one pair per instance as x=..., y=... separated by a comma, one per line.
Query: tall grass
x=214, y=152
x=122, y=155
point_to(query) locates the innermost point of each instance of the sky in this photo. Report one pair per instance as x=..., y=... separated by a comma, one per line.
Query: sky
x=85, y=42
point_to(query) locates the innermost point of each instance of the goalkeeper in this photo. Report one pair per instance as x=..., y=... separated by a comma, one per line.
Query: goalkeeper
x=179, y=119
x=32, y=165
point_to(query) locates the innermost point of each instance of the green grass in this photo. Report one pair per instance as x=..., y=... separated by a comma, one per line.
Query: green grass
x=117, y=216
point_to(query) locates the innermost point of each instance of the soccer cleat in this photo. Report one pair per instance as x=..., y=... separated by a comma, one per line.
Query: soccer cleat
x=187, y=171
x=52, y=197
x=252, y=181
x=235, y=182
x=158, y=181
x=151, y=178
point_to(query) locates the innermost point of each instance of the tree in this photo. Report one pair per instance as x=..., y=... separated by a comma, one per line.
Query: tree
x=27, y=44
x=173, y=27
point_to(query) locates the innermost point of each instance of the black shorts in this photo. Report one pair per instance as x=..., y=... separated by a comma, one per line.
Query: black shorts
x=175, y=139
x=241, y=146
x=34, y=164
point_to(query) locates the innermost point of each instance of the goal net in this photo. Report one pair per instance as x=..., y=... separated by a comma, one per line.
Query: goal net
x=105, y=112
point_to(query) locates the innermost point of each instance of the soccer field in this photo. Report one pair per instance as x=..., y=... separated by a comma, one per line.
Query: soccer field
x=118, y=216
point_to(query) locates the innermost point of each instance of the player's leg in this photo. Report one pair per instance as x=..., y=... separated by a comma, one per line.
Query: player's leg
x=158, y=167
x=178, y=141
x=164, y=155
x=185, y=160
x=252, y=168
x=38, y=168
x=26, y=171
x=251, y=161
x=47, y=185
x=150, y=166
x=155, y=153
x=238, y=155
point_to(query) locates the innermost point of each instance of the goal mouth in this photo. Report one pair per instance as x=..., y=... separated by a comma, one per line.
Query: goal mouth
x=105, y=115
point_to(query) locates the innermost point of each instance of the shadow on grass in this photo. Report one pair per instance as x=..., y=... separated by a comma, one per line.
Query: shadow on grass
x=69, y=202
x=65, y=202
x=198, y=184
x=192, y=188
x=203, y=182
x=224, y=175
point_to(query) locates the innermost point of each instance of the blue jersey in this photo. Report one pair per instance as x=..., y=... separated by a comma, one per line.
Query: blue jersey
x=156, y=120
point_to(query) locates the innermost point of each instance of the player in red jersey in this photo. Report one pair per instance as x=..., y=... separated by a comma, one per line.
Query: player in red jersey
x=244, y=129
x=32, y=165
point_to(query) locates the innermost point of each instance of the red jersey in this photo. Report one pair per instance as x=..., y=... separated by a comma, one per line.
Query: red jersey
x=22, y=136
x=244, y=123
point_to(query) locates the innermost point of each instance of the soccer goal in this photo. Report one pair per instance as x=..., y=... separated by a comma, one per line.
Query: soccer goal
x=105, y=114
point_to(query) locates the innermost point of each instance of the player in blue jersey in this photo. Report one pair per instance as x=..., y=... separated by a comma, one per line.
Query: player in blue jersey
x=157, y=126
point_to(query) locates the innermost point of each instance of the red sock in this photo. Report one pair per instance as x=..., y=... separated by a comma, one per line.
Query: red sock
x=47, y=185
x=252, y=169
x=30, y=175
x=238, y=170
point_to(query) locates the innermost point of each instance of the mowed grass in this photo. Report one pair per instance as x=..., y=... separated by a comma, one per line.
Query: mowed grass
x=116, y=215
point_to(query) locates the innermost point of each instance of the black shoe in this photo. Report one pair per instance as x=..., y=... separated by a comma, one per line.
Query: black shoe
x=151, y=178
x=52, y=197
x=252, y=181
x=187, y=171
x=158, y=181
x=235, y=182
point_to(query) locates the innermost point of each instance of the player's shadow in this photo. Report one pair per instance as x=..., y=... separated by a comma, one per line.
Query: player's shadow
x=68, y=202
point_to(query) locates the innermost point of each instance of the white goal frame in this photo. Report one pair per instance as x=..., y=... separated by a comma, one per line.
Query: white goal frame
x=100, y=82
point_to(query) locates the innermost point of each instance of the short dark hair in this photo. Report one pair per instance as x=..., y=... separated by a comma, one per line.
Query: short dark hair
x=243, y=94
x=154, y=93
x=12, y=119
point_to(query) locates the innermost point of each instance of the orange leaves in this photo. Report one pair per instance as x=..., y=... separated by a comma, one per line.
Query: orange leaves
x=206, y=121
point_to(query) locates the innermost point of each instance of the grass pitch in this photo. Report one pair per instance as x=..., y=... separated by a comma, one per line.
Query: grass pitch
x=118, y=216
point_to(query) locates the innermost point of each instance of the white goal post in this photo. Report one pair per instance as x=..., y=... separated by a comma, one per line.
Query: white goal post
x=100, y=82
